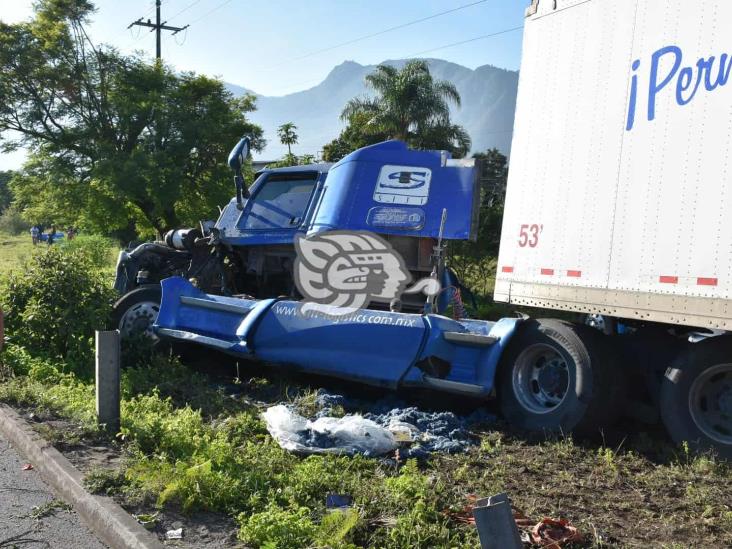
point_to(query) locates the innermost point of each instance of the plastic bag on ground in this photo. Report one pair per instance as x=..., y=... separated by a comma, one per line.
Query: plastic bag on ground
x=346, y=435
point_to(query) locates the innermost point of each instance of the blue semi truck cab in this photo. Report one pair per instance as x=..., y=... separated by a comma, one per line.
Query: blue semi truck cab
x=386, y=189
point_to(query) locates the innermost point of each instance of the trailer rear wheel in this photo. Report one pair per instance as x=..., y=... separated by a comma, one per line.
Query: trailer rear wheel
x=696, y=396
x=557, y=377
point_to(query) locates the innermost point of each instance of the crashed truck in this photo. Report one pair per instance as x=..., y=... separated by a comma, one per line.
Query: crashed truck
x=618, y=209
x=250, y=251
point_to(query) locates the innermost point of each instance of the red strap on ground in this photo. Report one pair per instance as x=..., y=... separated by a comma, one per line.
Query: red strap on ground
x=553, y=533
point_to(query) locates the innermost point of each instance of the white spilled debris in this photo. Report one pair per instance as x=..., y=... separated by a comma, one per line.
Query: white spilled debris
x=174, y=534
x=352, y=434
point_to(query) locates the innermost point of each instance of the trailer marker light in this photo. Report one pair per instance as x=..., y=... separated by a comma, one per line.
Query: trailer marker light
x=574, y=274
x=506, y=269
x=548, y=272
x=668, y=279
x=706, y=281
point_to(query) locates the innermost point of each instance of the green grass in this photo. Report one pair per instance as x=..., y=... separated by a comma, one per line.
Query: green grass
x=14, y=250
x=190, y=447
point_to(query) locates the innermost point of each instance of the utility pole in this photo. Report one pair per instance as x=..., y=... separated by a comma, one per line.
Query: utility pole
x=157, y=26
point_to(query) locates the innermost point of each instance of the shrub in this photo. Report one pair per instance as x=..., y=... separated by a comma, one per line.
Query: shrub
x=12, y=222
x=53, y=305
x=97, y=250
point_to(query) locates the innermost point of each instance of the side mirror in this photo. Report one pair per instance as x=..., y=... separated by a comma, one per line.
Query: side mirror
x=237, y=157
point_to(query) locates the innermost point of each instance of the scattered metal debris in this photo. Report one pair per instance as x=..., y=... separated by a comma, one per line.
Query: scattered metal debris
x=496, y=524
x=338, y=501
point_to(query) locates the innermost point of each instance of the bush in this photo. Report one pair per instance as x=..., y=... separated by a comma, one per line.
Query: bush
x=97, y=250
x=53, y=305
x=12, y=222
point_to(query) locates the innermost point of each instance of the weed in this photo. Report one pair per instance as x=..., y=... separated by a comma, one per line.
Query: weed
x=335, y=527
x=608, y=459
x=306, y=403
x=49, y=508
x=491, y=443
x=104, y=481
x=278, y=528
x=157, y=428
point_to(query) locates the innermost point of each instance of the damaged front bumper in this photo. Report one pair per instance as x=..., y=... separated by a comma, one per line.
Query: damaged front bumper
x=376, y=347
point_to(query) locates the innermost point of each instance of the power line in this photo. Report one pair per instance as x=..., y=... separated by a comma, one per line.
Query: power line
x=185, y=36
x=505, y=31
x=189, y=6
x=210, y=11
x=482, y=37
x=379, y=33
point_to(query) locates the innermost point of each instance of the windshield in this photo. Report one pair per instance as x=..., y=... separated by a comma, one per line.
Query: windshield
x=280, y=202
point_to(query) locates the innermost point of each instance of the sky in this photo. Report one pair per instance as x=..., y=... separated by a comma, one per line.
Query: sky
x=276, y=47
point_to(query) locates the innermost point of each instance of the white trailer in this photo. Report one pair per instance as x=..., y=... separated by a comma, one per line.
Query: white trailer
x=619, y=198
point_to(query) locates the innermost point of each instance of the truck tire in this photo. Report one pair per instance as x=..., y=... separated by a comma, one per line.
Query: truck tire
x=696, y=397
x=557, y=377
x=135, y=312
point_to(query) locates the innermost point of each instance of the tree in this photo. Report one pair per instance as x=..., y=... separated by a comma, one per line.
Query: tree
x=468, y=258
x=357, y=133
x=411, y=106
x=116, y=143
x=5, y=196
x=288, y=136
x=293, y=160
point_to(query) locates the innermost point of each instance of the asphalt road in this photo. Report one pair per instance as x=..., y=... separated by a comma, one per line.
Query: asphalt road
x=31, y=516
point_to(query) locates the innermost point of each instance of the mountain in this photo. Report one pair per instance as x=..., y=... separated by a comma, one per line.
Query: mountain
x=488, y=103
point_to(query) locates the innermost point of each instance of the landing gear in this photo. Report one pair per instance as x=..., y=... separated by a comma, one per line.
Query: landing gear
x=696, y=396
x=556, y=377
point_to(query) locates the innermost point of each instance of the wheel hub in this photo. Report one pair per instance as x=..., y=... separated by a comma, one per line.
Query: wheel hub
x=552, y=379
x=139, y=319
x=710, y=403
x=540, y=378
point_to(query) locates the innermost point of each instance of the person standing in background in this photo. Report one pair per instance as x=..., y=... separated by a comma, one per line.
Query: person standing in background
x=35, y=233
x=51, y=234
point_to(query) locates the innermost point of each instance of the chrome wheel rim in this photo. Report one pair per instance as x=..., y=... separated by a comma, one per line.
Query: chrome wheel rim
x=139, y=320
x=540, y=378
x=710, y=403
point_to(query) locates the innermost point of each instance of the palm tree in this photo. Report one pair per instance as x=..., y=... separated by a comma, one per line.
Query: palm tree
x=411, y=106
x=287, y=136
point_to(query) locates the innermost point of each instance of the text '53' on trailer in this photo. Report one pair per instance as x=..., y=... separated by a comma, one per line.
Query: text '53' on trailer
x=618, y=209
